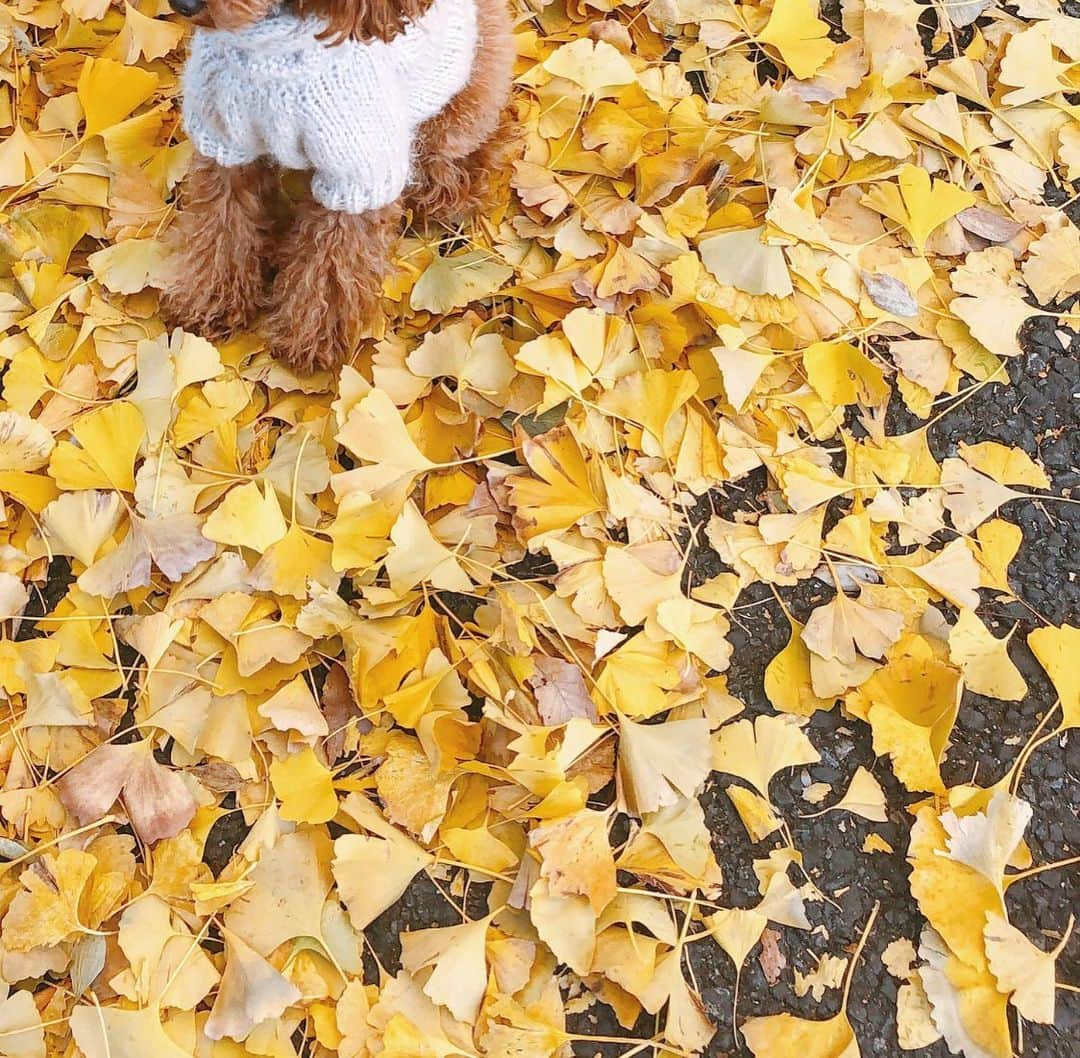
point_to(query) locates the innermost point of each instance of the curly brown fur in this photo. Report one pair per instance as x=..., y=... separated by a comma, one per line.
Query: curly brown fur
x=225, y=236
x=363, y=19
x=460, y=148
x=345, y=19
x=332, y=268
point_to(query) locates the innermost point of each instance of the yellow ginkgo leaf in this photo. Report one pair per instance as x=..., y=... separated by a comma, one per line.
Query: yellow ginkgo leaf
x=109, y=91
x=787, y=678
x=247, y=517
x=251, y=991
x=568, y=488
x=842, y=375
x=1029, y=64
x=374, y=432
x=150, y=38
x=595, y=66
x=661, y=763
x=737, y=930
x=416, y=556
x=49, y=909
x=756, y=750
x=1007, y=466
x=109, y=440
x=305, y=787
x=1057, y=650
x=293, y=708
x=838, y=628
x=929, y=206
x=360, y=532
x=373, y=870
x=112, y=1032
x=741, y=260
x=576, y=857
x=785, y=1034
x=22, y=157
x=130, y=266
x=651, y=398
x=685, y=1023
x=293, y=562
x=450, y=283
x=20, y=1026
x=458, y=962
x=1023, y=971
x=799, y=35
x=984, y=659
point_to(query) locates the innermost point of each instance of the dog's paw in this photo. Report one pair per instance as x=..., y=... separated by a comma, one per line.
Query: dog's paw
x=308, y=344
x=448, y=189
x=215, y=307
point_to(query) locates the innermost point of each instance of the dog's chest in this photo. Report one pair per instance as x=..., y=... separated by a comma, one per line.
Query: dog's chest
x=274, y=90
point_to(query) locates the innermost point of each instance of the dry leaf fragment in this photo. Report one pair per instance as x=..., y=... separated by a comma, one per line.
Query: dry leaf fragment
x=985, y=222
x=828, y=973
x=155, y=798
x=863, y=797
x=890, y=294
x=560, y=692
x=964, y=12
x=771, y=958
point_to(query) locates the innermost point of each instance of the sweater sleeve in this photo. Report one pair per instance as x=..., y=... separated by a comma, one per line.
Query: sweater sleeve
x=216, y=109
x=361, y=153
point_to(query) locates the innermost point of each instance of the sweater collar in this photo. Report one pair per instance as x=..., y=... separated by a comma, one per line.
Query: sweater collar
x=281, y=30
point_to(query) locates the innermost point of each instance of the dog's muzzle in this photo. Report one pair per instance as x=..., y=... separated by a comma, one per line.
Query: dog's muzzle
x=187, y=8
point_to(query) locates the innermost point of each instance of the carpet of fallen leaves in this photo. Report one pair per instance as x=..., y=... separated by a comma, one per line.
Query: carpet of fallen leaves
x=431, y=614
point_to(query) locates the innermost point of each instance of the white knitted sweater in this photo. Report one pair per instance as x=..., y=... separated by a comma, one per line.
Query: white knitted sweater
x=348, y=111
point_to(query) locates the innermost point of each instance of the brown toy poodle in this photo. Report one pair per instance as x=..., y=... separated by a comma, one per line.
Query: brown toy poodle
x=390, y=104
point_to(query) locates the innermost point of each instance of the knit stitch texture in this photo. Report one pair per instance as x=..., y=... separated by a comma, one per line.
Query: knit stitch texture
x=348, y=111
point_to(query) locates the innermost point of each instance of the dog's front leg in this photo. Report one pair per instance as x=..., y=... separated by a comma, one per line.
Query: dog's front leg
x=224, y=239
x=331, y=269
